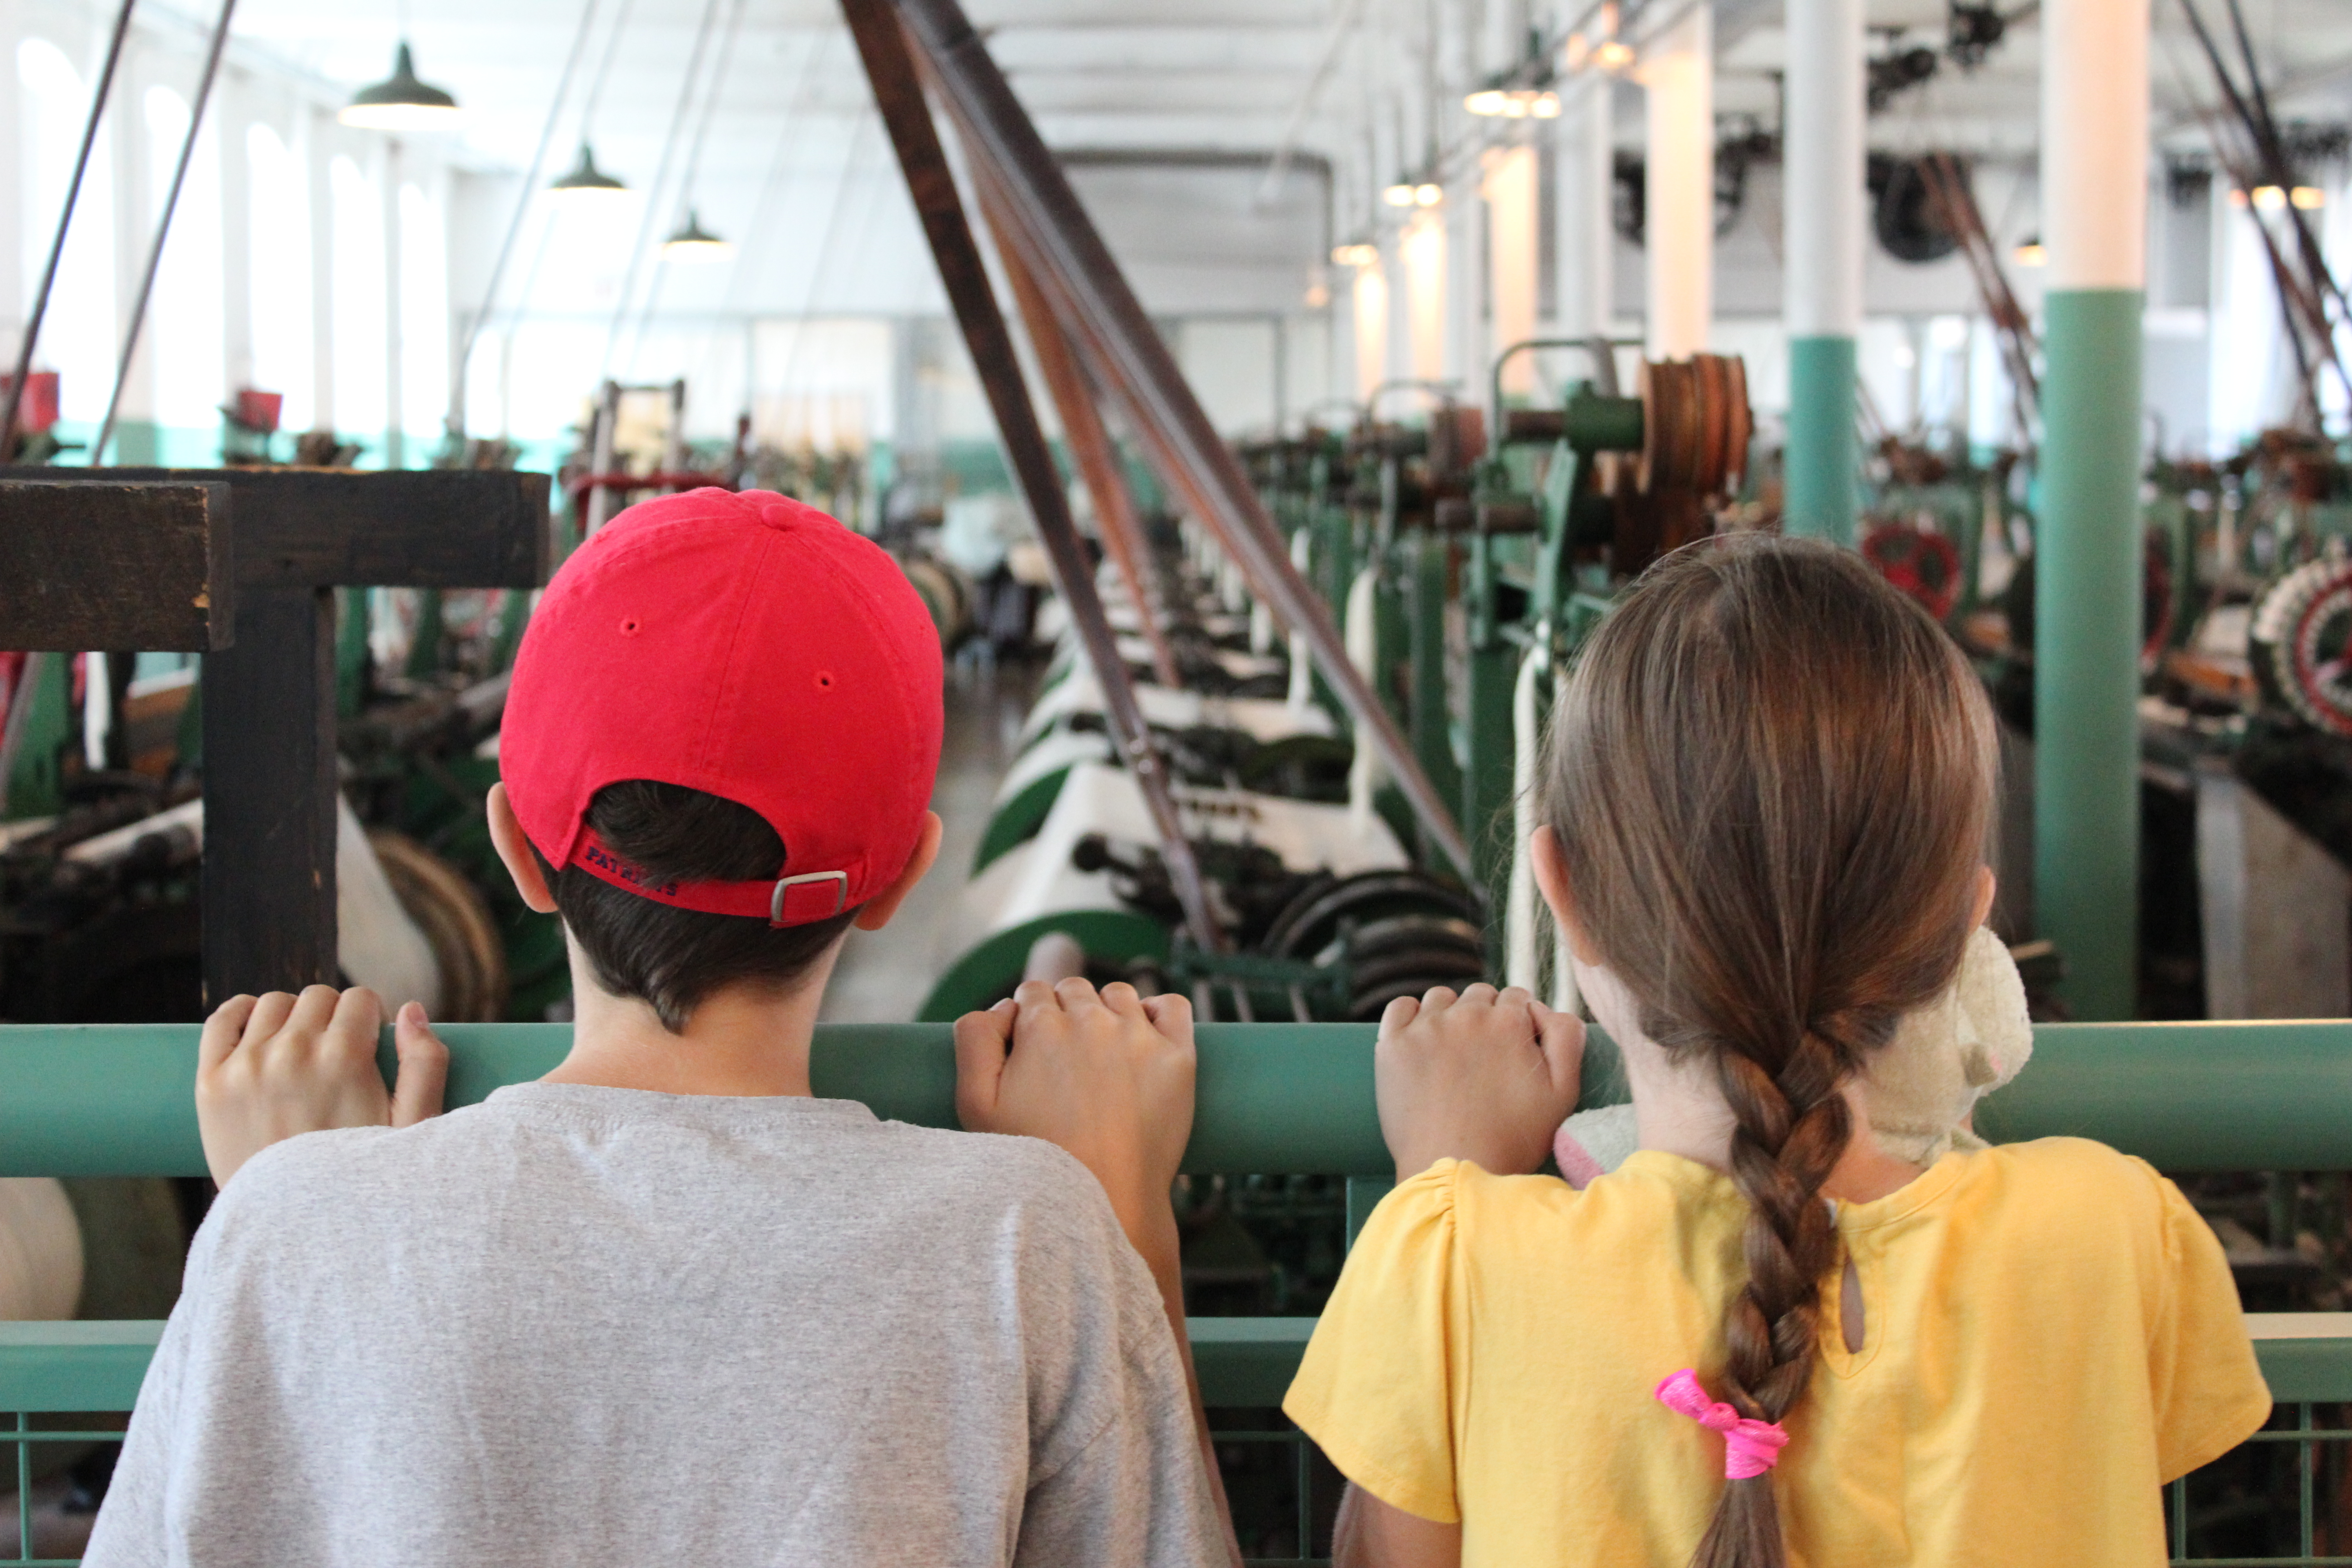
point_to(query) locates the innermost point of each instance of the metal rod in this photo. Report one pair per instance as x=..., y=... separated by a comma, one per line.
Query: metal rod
x=455, y=421
x=163, y=231
x=890, y=68
x=1143, y=373
x=118, y=1100
x=65, y=221
x=1091, y=443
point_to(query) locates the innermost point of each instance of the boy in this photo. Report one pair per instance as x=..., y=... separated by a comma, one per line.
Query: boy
x=663, y=1305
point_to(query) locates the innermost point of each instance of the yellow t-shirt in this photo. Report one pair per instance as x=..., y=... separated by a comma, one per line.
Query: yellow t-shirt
x=2050, y=1333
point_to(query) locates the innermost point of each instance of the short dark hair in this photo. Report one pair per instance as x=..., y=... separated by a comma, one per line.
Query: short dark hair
x=671, y=959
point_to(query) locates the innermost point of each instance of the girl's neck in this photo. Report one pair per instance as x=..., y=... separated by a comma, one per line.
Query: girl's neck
x=1679, y=1108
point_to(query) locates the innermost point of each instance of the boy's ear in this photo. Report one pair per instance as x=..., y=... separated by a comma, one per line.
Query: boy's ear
x=514, y=851
x=876, y=910
x=1552, y=881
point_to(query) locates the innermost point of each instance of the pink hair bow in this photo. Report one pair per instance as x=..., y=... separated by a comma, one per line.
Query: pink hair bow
x=1750, y=1446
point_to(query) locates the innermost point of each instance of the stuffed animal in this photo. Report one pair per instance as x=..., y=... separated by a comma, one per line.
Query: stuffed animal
x=1921, y=1089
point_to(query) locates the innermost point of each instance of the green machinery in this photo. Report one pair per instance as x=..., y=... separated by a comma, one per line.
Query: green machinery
x=1457, y=562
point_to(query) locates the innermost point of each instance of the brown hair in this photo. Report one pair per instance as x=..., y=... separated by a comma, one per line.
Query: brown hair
x=1772, y=777
x=672, y=959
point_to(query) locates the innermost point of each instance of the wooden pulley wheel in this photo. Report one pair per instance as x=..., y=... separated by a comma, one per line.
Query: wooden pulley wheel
x=1671, y=432
x=1696, y=423
x=1739, y=421
x=1713, y=421
x=457, y=925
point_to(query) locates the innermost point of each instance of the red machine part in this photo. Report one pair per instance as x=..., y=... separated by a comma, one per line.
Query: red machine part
x=2303, y=643
x=1920, y=560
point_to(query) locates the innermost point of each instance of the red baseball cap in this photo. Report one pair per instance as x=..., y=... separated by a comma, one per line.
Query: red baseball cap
x=748, y=646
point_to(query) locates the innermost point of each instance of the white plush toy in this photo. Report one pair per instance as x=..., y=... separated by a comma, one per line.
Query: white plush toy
x=1921, y=1089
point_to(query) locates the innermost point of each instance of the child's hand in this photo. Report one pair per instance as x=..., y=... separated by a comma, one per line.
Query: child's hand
x=1107, y=1076
x=1478, y=1076
x=273, y=1067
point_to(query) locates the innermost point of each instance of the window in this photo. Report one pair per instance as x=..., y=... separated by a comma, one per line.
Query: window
x=282, y=360
x=78, y=338
x=183, y=331
x=360, y=367
x=424, y=313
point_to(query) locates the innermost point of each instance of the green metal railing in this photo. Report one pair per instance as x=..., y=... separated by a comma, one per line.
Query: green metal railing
x=117, y=1100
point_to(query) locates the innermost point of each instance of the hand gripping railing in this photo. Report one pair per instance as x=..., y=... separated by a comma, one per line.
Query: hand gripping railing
x=1274, y=1099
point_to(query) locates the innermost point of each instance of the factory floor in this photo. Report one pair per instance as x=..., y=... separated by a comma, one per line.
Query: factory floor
x=884, y=975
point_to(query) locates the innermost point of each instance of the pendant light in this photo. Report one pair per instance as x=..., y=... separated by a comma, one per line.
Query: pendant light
x=1523, y=92
x=692, y=242
x=586, y=185
x=586, y=180
x=400, y=102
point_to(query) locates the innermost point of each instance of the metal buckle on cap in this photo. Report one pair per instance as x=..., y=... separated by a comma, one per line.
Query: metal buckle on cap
x=840, y=893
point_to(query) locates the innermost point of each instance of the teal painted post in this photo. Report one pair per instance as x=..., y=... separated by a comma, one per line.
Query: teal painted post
x=2087, y=616
x=1824, y=498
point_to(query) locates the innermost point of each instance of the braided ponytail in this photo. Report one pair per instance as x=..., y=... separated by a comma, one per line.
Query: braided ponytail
x=1772, y=782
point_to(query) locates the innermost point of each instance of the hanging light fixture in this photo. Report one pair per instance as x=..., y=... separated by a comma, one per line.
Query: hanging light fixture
x=2033, y=253
x=1523, y=92
x=2268, y=198
x=400, y=102
x=2307, y=198
x=587, y=180
x=1356, y=255
x=692, y=242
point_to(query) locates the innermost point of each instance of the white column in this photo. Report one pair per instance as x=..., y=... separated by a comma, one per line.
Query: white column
x=1370, y=297
x=387, y=181
x=1465, y=348
x=235, y=113
x=1423, y=249
x=1510, y=192
x=313, y=147
x=1585, y=169
x=139, y=188
x=1679, y=201
x=16, y=286
x=1822, y=233
x=1396, y=364
x=1821, y=278
x=2095, y=123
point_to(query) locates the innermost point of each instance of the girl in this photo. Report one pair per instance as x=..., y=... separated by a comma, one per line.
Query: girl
x=1765, y=1340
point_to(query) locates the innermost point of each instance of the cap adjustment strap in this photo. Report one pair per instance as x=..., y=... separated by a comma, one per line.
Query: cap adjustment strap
x=797, y=900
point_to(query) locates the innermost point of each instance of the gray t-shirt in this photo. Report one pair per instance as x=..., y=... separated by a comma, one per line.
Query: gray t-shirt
x=576, y=1325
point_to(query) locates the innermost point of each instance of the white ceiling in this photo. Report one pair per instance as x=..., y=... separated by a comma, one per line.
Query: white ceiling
x=792, y=117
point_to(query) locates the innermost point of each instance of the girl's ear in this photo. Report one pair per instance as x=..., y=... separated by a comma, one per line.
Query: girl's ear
x=1551, y=880
x=1987, y=886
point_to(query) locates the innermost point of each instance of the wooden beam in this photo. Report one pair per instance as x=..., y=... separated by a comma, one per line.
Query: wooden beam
x=269, y=797
x=115, y=566
x=400, y=527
